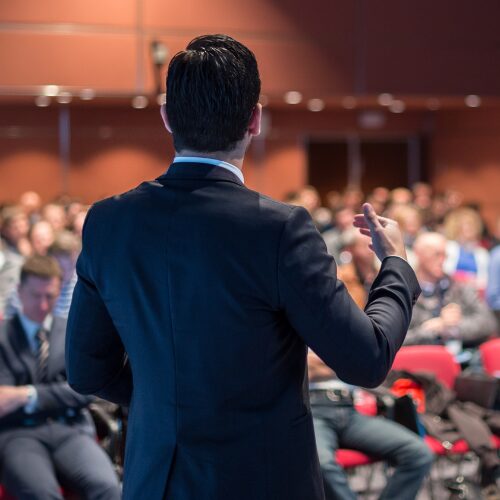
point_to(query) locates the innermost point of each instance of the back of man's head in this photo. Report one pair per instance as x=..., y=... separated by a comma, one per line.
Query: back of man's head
x=212, y=89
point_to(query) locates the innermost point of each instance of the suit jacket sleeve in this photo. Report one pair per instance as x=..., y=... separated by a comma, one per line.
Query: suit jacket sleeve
x=96, y=362
x=359, y=345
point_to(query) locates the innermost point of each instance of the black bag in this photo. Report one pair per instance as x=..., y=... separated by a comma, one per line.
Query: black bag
x=478, y=388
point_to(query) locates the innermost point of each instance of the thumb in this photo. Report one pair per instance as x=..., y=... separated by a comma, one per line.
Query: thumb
x=370, y=216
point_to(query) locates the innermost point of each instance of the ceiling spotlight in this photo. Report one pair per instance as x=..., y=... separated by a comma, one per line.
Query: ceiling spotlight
x=42, y=101
x=139, y=102
x=161, y=99
x=349, y=102
x=433, y=104
x=51, y=90
x=385, y=99
x=87, y=94
x=473, y=101
x=397, y=106
x=293, y=97
x=64, y=97
x=315, y=105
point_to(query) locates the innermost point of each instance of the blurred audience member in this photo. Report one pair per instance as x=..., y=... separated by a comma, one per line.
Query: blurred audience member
x=333, y=201
x=55, y=215
x=379, y=198
x=400, y=196
x=352, y=198
x=337, y=237
x=422, y=195
x=454, y=199
x=466, y=259
x=337, y=424
x=493, y=289
x=41, y=237
x=447, y=312
x=358, y=266
x=46, y=433
x=79, y=220
x=14, y=231
x=31, y=203
x=409, y=219
x=65, y=250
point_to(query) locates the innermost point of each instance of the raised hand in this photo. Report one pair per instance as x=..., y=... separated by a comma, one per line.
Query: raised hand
x=385, y=233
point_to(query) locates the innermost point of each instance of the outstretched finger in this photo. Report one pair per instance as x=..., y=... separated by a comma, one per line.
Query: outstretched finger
x=371, y=217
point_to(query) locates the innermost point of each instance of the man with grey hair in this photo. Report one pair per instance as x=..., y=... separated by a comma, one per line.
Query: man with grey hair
x=447, y=312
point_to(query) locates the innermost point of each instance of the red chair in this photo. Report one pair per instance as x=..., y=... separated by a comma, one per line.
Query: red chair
x=441, y=363
x=490, y=354
x=433, y=359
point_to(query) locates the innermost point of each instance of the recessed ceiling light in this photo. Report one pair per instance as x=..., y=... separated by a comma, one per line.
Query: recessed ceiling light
x=315, y=105
x=293, y=97
x=473, y=101
x=42, y=101
x=385, y=99
x=87, y=94
x=64, y=97
x=397, y=106
x=51, y=90
x=139, y=102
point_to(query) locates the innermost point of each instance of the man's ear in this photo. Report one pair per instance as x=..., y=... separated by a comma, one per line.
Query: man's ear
x=255, y=120
x=163, y=112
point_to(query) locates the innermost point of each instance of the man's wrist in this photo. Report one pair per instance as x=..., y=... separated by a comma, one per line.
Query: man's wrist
x=31, y=399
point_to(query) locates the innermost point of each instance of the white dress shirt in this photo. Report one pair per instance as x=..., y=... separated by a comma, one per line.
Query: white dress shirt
x=211, y=161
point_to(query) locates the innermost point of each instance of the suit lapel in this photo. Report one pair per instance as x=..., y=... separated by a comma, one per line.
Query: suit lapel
x=21, y=348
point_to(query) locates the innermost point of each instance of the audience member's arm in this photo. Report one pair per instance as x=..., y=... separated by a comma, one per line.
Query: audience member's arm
x=477, y=322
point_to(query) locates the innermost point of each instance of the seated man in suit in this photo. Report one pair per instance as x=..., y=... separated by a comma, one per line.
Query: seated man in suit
x=45, y=431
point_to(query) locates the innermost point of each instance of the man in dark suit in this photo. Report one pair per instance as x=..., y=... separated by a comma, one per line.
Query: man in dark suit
x=197, y=297
x=45, y=430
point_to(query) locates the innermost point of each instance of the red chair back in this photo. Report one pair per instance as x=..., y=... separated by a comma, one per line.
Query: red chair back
x=490, y=354
x=433, y=359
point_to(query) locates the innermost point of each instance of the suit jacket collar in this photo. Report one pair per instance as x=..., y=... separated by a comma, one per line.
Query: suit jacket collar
x=198, y=171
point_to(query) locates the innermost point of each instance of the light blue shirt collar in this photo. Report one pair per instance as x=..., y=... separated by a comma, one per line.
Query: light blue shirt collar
x=31, y=328
x=211, y=161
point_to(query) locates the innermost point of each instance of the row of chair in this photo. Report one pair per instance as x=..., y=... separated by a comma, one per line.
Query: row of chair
x=438, y=361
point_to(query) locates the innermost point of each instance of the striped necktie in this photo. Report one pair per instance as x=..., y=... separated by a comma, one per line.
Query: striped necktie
x=42, y=355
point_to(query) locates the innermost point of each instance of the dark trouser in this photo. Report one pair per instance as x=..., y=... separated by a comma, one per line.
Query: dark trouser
x=33, y=460
x=342, y=427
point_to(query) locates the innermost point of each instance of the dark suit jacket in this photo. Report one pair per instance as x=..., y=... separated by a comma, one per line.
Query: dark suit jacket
x=56, y=399
x=214, y=291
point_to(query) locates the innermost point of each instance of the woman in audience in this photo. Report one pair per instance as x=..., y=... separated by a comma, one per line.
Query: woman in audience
x=466, y=260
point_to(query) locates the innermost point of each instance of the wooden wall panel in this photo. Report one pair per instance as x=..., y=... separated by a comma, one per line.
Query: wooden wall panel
x=111, y=12
x=217, y=16
x=100, y=61
x=447, y=47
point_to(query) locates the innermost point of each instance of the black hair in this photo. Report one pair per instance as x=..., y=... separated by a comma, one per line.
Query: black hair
x=212, y=89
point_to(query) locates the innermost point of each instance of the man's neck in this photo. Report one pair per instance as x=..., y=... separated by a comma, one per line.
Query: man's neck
x=234, y=157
